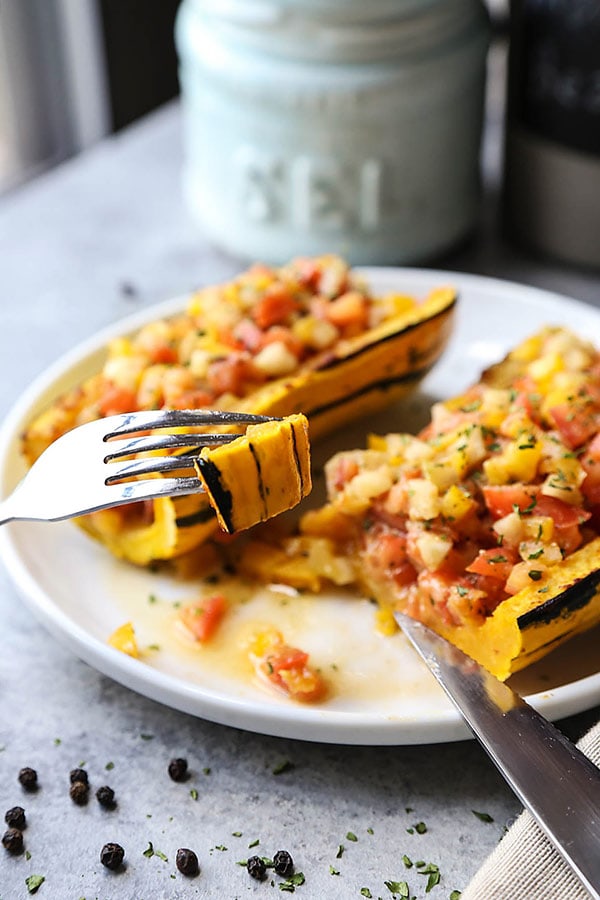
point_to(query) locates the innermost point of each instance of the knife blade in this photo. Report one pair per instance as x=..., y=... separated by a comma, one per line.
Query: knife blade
x=557, y=783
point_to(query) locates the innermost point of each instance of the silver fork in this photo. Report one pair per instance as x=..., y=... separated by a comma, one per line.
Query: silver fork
x=80, y=471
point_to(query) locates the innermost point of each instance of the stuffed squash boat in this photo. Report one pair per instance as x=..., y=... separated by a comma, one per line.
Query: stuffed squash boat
x=478, y=525
x=306, y=338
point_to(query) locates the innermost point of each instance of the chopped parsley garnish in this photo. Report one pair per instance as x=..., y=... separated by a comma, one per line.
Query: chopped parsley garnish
x=485, y=817
x=284, y=766
x=292, y=882
x=34, y=882
x=535, y=574
x=351, y=836
x=398, y=887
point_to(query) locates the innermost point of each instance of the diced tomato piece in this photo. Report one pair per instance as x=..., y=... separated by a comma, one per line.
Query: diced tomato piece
x=287, y=669
x=247, y=334
x=275, y=307
x=204, y=616
x=387, y=551
x=115, y=400
x=345, y=470
x=496, y=562
x=503, y=499
x=307, y=271
x=575, y=426
x=164, y=353
x=590, y=460
x=281, y=334
x=528, y=498
x=193, y=399
x=569, y=538
x=231, y=375
x=563, y=514
x=349, y=312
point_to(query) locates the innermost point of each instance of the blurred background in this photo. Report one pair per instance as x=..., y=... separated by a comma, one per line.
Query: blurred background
x=334, y=125
x=74, y=71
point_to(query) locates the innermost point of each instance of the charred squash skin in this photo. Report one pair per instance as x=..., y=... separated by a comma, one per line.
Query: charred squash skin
x=358, y=376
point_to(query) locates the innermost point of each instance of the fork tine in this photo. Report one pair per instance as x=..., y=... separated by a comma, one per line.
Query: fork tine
x=129, y=423
x=154, y=464
x=166, y=442
x=149, y=489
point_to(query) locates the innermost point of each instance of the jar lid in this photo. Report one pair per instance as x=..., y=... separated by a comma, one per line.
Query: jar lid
x=339, y=31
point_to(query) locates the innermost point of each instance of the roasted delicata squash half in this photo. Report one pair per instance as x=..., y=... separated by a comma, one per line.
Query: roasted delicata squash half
x=308, y=338
x=485, y=525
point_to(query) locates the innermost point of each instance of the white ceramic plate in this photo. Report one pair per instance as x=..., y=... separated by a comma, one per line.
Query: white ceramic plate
x=382, y=693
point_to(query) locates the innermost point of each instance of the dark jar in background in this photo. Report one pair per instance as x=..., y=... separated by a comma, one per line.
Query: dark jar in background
x=551, y=199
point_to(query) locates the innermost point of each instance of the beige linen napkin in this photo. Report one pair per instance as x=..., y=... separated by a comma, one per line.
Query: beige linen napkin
x=525, y=865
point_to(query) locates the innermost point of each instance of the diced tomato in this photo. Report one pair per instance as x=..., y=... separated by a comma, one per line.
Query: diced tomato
x=307, y=271
x=496, y=562
x=528, y=498
x=231, y=375
x=503, y=499
x=193, y=399
x=575, y=425
x=345, y=470
x=590, y=460
x=164, y=353
x=569, y=538
x=204, y=616
x=116, y=400
x=387, y=551
x=287, y=669
x=248, y=335
x=349, y=313
x=563, y=514
x=275, y=307
x=281, y=334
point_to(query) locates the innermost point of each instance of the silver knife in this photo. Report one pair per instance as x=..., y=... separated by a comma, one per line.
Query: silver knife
x=557, y=783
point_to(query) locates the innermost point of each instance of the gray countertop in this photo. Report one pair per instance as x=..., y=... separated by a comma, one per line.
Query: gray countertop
x=80, y=247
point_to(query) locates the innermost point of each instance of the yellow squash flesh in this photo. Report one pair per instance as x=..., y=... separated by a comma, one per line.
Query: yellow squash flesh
x=259, y=475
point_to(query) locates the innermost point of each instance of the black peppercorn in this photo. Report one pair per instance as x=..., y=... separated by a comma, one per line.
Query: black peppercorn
x=187, y=861
x=111, y=856
x=79, y=793
x=28, y=778
x=178, y=769
x=12, y=840
x=15, y=817
x=283, y=863
x=78, y=775
x=106, y=797
x=256, y=868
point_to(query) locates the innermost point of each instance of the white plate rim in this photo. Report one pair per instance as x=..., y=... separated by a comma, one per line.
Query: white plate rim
x=293, y=721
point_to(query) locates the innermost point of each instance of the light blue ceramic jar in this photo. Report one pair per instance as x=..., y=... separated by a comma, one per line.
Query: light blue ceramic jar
x=347, y=126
